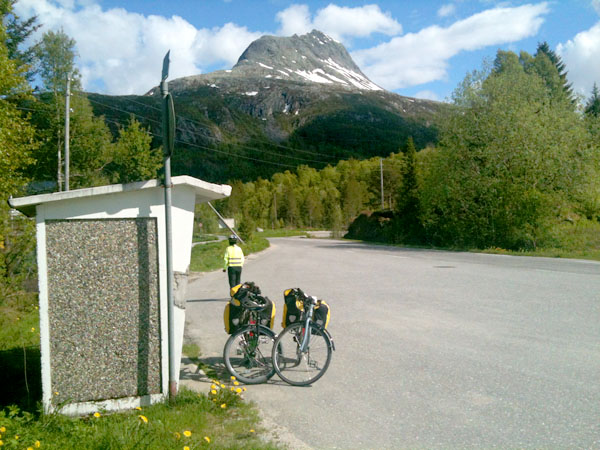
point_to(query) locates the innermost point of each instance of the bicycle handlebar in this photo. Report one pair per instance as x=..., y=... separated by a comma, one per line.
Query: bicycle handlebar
x=250, y=302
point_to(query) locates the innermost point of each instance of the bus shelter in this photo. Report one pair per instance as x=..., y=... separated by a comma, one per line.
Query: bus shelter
x=102, y=276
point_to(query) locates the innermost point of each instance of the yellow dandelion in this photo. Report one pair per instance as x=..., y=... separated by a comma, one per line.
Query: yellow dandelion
x=17, y=437
x=232, y=378
x=1, y=443
x=139, y=408
x=177, y=435
x=185, y=447
x=55, y=392
x=143, y=419
x=232, y=389
x=244, y=389
x=212, y=386
x=207, y=439
x=215, y=381
x=236, y=383
x=252, y=431
x=97, y=414
x=224, y=405
x=2, y=430
x=187, y=433
x=18, y=318
x=29, y=448
x=213, y=392
x=214, y=400
x=32, y=329
x=222, y=386
x=37, y=444
x=239, y=390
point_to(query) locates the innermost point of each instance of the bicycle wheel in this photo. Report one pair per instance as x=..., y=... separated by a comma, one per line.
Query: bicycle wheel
x=247, y=354
x=295, y=367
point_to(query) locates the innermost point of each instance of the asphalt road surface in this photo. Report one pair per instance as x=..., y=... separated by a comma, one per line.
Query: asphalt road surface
x=433, y=349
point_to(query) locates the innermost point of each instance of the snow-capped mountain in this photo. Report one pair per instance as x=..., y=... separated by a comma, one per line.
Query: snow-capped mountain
x=313, y=57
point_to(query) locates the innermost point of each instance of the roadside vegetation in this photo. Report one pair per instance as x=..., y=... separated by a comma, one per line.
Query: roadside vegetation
x=218, y=418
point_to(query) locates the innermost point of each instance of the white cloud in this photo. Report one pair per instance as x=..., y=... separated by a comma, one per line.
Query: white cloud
x=581, y=56
x=446, y=10
x=339, y=22
x=121, y=52
x=294, y=20
x=596, y=6
x=418, y=58
x=427, y=95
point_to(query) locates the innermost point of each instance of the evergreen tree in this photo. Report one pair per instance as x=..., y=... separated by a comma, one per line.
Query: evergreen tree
x=592, y=107
x=543, y=49
x=17, y=32
x=407, y=222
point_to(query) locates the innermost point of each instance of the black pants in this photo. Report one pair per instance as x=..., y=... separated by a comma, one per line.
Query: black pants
x=234, y=274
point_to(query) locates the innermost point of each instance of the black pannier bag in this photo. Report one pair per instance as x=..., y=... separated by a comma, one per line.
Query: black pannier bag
x=291, y=307
x=266, y=317
x=234, y=317
x=321, y=313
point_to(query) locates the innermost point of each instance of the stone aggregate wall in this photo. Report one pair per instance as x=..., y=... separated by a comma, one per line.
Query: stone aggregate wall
x=104, y=312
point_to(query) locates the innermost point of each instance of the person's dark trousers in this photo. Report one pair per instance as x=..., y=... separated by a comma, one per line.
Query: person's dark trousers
x=234, y=274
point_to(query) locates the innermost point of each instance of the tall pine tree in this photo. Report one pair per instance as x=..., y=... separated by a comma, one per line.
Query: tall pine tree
x=544, y=49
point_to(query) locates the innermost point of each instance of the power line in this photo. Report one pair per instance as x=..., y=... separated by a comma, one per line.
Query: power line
x=196, y=134
x=204, y=127
x=236, y=155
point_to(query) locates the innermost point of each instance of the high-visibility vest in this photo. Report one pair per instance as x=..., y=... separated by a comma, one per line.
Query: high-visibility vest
x=234, y=256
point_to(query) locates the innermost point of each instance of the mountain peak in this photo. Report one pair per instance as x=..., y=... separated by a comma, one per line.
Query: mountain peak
x=313, y=57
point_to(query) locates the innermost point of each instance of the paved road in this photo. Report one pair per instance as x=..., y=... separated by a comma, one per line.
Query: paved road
x=434, y=349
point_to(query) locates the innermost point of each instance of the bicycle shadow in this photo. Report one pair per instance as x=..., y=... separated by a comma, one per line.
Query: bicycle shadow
x=208, y=300
x=207, y=369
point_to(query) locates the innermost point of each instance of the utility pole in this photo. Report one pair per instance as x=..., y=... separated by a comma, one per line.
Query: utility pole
x=168, y=124
x=67, y=116
x=381, y=176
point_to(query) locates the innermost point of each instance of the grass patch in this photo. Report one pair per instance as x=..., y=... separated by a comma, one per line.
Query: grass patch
x=220, y=420
x=208, y=257
x=281, y=232
x=580, y=240
x=20, y=374
x=223, y=417
x=199, y=237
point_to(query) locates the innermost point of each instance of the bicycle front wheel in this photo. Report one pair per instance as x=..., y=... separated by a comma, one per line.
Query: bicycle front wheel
x=247, y=354
x=301, y=368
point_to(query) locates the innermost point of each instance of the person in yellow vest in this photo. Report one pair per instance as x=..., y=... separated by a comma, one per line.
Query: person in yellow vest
x=234, y=260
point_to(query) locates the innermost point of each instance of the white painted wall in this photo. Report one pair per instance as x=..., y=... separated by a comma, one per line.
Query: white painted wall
x=145, y=199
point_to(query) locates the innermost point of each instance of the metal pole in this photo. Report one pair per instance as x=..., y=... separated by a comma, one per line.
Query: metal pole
x=225, y=223
x=67, y=111
x=381, y=173
x=164, y=90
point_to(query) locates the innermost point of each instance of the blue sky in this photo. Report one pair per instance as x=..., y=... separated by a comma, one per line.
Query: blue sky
x=415, y=48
